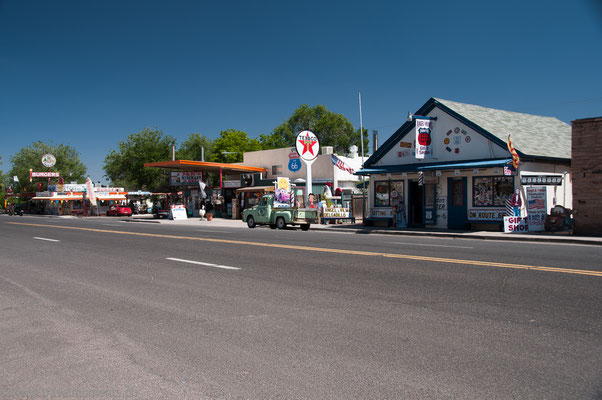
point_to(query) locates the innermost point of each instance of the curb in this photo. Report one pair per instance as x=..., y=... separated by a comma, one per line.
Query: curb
x=466, y=236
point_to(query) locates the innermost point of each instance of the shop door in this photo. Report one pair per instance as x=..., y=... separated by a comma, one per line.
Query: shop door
x=416, y=205
x=457, y=213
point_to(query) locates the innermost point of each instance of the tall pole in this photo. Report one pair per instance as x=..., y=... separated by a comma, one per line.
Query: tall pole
x=359, y=97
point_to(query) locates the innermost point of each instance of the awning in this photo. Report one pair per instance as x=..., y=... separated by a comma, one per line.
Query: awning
x=62, y=198
x=256, y=189
x=434, y=166
x=187, y=165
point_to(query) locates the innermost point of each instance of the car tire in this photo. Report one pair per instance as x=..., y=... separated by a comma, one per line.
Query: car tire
x=305, y=227
x=251, y=222
x=272, y=226
x=280, y=223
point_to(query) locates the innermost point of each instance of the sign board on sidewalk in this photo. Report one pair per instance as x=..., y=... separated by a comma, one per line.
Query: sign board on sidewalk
x=178, y=211
x=515, y=225
x=536, y=208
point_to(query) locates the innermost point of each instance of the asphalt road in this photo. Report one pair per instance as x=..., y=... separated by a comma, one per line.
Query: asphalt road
x=99, y=308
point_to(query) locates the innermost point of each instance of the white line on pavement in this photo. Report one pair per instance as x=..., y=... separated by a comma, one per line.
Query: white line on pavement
x=111, y=225
x=432, y=245
x=50, y=240
x=201, y=263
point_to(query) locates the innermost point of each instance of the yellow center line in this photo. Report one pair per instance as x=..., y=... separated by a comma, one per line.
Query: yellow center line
x=338, y=251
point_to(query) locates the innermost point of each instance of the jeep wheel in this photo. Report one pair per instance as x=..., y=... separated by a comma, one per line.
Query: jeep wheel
x=272, y=226
x=251, y=222
x=305, y=227
x=280, y=223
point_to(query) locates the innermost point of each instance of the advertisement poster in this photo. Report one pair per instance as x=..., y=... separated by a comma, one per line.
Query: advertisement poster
x=185, y=178
x=282, y=193
x=424, y=148
x=536, y=208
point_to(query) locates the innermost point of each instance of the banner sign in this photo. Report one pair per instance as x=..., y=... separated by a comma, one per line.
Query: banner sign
x=424, y=148
x=90, y=191
x=340, y=164
x=536, y=208
x=515, y=225
x=45, y=174
x=185, y=178
x=231, y=183
x=178, y=211
x=551, y=180
x=475, y=214
x=336, y=212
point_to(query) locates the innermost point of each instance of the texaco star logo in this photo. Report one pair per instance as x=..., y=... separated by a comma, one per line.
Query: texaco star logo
x=307, y=145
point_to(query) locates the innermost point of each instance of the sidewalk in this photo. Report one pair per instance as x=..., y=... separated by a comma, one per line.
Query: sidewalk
x=358, y=228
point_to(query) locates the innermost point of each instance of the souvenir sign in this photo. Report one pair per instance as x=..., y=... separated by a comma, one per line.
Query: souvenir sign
x=48, y=160
x=424, y=148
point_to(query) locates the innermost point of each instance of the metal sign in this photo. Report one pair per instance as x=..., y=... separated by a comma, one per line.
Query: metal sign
x=48, y=160
x=551, y=180
x=307, y=145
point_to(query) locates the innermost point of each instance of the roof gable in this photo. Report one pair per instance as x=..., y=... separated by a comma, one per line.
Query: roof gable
x=532, y=135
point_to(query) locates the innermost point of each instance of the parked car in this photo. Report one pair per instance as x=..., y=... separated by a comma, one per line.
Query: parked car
x=266, y=214
x=119, y=211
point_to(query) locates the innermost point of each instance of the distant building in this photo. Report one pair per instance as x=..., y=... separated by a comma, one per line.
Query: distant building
x=587, y=175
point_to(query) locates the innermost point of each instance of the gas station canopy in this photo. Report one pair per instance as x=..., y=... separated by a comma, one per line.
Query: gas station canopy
x=187, y=165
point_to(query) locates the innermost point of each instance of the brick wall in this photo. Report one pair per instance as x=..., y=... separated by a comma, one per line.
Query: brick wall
x=586, y=165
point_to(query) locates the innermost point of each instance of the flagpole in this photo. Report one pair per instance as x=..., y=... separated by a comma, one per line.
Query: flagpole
x=359, y=97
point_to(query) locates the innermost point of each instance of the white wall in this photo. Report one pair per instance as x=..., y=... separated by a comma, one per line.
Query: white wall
x=469, y=144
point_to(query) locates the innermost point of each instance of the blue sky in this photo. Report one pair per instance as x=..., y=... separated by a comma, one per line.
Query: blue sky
x=89, y=73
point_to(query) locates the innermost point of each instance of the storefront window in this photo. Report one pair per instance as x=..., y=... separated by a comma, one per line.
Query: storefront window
x=491, y=191
x=386, y=192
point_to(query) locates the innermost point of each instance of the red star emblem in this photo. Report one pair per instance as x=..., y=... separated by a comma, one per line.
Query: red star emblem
x=308, y=145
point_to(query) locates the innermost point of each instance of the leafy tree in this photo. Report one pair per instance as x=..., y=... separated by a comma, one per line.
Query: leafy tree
x=331, y=129
x=231, y=145
x=125, y=166
x=191, y=148
x=68, y=163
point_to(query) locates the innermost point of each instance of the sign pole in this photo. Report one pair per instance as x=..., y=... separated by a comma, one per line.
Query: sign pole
x=307, y=146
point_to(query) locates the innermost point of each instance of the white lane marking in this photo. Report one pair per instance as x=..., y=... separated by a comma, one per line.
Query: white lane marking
x=432, y=245
x=211, y=230
x=50, y=240
x=111, y=225
x=201, y=263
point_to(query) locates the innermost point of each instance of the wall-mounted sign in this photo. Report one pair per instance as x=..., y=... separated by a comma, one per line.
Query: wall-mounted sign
x=235, y=183
x=475, y=214
x=457, y=172
x=48, y=160
x=294, y=164
x=184, y=178
x=424, y=148
x=552, y=180
x=407, y=145
x=536, y=208
x=381, y=212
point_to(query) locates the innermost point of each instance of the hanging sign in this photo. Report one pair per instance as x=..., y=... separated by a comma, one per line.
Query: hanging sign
x=551, y=180
x=44, y=174
x=48, y=160
x=424, y=148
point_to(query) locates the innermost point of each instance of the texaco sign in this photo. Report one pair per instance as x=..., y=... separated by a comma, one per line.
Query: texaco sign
x=307, y=145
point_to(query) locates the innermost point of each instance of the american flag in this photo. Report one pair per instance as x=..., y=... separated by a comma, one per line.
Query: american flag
x=537, y=203
x=340, y=164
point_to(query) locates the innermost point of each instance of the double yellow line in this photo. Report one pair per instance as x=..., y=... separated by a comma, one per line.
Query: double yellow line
x=337, y=251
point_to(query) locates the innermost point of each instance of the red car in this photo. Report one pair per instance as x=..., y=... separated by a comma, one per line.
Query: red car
x=119, y=211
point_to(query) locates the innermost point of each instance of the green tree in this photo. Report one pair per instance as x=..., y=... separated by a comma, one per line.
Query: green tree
x=332, y=129
x=68, y=164
x=231, y=145
x=191, y=148
x=125, y=166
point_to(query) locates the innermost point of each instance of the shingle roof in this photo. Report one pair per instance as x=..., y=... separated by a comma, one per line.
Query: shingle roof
x=531, y=135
